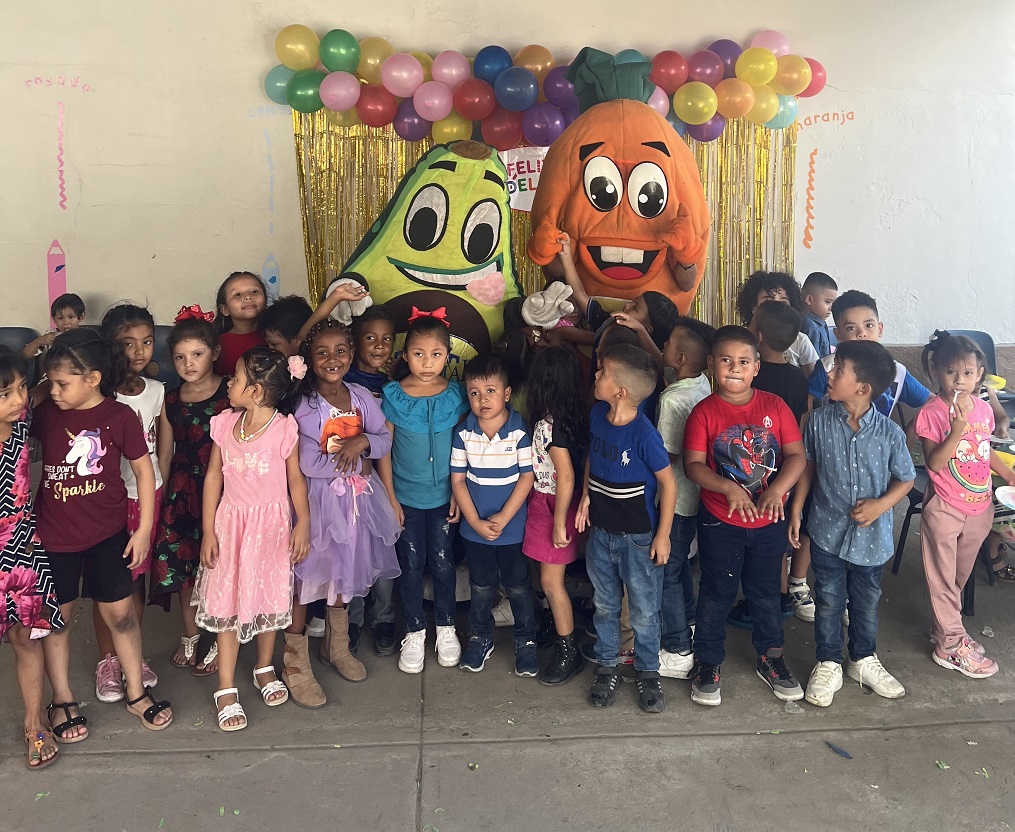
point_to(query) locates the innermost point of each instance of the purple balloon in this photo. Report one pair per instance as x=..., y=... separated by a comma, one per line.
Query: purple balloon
x=409, y=124
x=659, y=101
x=542, y=123
x=705, y=66
x=728, y=52
x=709, y=131
x=570, y=114
x=558, y=90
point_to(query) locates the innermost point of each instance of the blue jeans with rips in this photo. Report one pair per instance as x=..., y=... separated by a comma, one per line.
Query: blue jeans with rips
x=491, y=566
x=678, y=585
x=425, y=542
x=836, y=583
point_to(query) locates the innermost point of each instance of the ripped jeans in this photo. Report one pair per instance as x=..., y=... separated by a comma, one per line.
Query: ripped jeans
x=425, y=543
x=491, y=566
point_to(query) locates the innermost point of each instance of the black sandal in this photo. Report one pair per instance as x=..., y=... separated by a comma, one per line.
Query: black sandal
x=70, y=722
x=148, y=717
x=1002, y=571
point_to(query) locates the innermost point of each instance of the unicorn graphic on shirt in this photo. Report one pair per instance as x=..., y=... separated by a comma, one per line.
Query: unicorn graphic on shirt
x=86, y=449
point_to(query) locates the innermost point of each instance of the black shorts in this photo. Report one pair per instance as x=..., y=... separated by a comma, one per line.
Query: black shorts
x=103, y=568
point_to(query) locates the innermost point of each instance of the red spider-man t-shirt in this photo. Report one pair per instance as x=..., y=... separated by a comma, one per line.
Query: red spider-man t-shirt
x=741, y=443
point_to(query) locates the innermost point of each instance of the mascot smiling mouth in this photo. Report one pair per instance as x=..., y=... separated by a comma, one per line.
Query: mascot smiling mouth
x=485, y=282
x=621, y=263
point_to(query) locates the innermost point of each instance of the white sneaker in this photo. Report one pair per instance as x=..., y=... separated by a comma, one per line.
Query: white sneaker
x=315, y=628
x=502, y=615
x=410, y=660
x=826, y=679
x=803, y=601
x=449, y=650
x=675, y=665
x=870, y=672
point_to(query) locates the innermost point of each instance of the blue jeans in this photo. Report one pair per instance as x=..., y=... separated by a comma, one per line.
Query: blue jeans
x=837, y=581
x=678, y=588
x=382, y=605
x=732, y=556
x=491, y=566
x=425, y=542
x=613, y=561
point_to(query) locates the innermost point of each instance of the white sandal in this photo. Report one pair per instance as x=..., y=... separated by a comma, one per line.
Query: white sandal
x=189, y=645
x=271, y=688
x=230, y=711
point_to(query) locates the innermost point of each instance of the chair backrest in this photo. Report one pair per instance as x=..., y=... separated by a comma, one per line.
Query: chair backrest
x=984, y=342
x=832, y=340
x=161, y=367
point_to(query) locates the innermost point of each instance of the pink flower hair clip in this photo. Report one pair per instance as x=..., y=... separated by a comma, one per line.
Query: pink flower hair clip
x=297, y=367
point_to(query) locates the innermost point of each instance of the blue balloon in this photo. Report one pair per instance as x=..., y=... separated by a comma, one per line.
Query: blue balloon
x=787, y=113
x=490, y=62
x=516, y=89
x=629, y=56
x=274, y=83
x=676, y=123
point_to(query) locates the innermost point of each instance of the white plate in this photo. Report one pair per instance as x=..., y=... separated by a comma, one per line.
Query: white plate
x=1006, y=496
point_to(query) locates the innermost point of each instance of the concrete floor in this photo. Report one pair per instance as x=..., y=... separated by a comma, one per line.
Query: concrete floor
x=448, y=751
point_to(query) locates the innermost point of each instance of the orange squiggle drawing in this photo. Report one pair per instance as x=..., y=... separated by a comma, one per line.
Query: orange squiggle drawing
x=809, y=203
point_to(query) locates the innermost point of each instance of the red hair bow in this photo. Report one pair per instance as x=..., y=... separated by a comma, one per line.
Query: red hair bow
x=194, y=312
x=440, y=313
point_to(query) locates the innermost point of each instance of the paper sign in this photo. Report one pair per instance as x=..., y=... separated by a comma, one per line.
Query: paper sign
x=524, y=165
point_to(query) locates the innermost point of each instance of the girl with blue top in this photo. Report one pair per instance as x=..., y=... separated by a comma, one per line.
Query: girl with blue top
x=421, y=412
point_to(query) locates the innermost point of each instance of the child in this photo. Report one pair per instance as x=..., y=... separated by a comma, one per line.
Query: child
x=778, y=326
x=558, y=422
x=686, y=355
x=352, y=526
x=742, y=447
x=491, y=476
x=858, y=468
x=777, y=286
x=955, y=428
x=818, y=292
x=67, y=313
x=282, y=322
x=186, y=418
x=244, y=590
x=133, y=328
x=421, y=412
x=240, y=302
x=82, y=511
x=30, y=605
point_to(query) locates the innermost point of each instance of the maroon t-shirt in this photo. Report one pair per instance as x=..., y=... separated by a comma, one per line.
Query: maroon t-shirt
x=231, y=346
x=82, y=499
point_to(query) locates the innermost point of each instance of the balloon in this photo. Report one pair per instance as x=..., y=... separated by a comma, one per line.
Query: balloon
x=570, y=114
x=408, y=124
x=786, y=114
x=433, y=101
x=376, y=106
x=818, y=79
x=629, y=56
x=659, y=101
x=728, y=52
x=474, y=99
x=340, y=91
x=303, y=92
x=757, y=66
x=451, y=69
x=736, y=97
x=426, y=62
x=346, y=118
x=776, y=42
x=275, y=83
x=676, y=123
x=490, y=62
x=557, y=89
x=669, y=71
x=695, y=102
x=373, y=52
x=340, y=51
x=706, y=67
x=297, y=47
x=502, y=129
x=542, y=123
x=709, y=131
x=454, y=128
x=766, y=105
x=401, y=74
x=536, y=59
x=793, y=75
x=516, y=89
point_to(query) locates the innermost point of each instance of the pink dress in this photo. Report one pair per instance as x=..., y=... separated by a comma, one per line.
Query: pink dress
x=251, y=587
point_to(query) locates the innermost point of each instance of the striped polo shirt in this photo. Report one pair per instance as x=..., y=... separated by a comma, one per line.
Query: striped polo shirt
x=492, y=467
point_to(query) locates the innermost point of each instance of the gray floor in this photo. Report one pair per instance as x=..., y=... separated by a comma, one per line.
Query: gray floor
x=448, y=751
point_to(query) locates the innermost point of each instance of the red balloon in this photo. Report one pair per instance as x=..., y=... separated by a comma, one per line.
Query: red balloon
x=474, y=99
x=502, y=129
x=376, y=106
x=669, y=71
x=818, y=79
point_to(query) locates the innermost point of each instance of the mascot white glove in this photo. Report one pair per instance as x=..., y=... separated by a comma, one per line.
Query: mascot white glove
x=348, y=309
x=546, y=308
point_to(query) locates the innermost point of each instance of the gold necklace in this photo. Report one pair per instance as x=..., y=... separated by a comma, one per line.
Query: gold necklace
x=259, y=431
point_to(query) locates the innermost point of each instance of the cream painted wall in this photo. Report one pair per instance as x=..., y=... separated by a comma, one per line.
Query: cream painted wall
x=178, y=170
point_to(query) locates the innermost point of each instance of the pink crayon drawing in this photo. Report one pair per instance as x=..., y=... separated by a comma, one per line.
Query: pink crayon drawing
x=59, y=156
x=56, y=268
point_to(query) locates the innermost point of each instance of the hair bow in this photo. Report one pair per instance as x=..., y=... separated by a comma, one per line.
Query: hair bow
x=194, y=312
x=297, y=367
x=440, y=313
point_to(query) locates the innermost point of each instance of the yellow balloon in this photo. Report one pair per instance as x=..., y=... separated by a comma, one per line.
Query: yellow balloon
x=426, y=62
x=793, y=75
x=766, y=105
x=345, y=118
x=298, y=47
x=372, y=53
x=695, y=102
x=736, y=97
x=453, y=128
x=756, y=66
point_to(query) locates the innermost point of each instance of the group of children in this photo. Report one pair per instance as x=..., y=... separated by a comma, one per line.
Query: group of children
x=298, y=467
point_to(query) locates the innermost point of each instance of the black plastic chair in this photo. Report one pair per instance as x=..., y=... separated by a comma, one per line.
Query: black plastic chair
x=984, y=342
x=16, y=338
x=161, y=367
x=915, y=507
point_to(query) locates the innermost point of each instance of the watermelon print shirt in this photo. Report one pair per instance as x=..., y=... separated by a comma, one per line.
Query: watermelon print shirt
x=964, y=482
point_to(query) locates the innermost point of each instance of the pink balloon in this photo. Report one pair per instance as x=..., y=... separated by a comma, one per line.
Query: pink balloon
x=772, y=40
x=705, y=66
x=433, y=100
x=340, y=91
x=401, y=74
x=451, y=68
x=818, y=79
x=659, y=101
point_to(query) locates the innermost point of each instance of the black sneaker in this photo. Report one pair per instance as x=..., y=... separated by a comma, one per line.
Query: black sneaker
x=740, y=615
x=773, y=671
x=565, y=662
x=705, y=684
x=384, y=638
x=604, y=689
x=354, y=631
x=650, y=692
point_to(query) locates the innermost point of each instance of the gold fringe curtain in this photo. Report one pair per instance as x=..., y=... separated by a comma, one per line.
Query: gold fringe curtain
x=348, y=174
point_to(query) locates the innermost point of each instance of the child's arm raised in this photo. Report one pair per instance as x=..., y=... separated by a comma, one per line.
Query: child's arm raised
x=667, y=506
x=299, y=539
x=936, y=455
x=140, y=541
x=209, y=504
x=771, y=501
x=578, y=293
x=647, y=344
x=561, y=460
x=349, y=291
x=33, y=346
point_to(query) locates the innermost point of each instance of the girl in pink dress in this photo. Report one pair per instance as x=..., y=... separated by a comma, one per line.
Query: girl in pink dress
x=244, y=589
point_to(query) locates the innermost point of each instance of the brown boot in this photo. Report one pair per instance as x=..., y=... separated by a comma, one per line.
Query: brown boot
x=298, y=675
x=335, y=646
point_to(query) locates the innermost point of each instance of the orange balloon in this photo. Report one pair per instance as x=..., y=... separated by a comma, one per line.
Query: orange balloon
x=536, y=59
x=792, y=76
x=736, y=97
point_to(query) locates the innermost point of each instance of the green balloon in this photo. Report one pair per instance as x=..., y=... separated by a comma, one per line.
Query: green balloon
x=303, y=92
x=340, y=51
